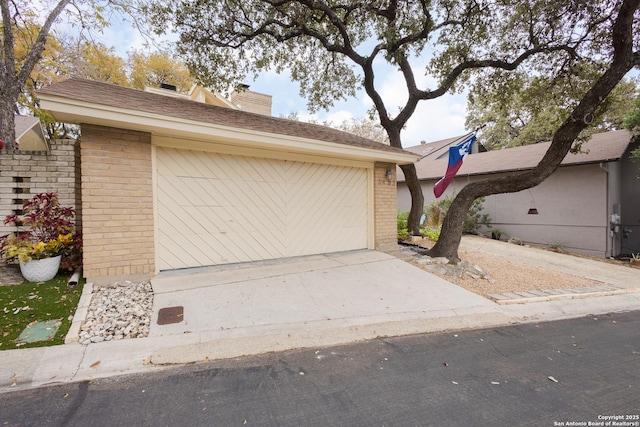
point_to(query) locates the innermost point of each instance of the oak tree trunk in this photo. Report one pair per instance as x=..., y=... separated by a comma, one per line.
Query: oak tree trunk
x=7, y=122
x=411, y=179
x=417, y=198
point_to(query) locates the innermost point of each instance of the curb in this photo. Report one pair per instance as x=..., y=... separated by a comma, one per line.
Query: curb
x=212, y=345
x=73, y=335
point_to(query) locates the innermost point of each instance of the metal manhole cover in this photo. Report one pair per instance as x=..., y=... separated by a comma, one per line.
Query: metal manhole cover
x=169, y=315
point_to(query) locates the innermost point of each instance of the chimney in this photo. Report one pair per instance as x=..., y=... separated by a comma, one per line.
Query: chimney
x=423, y=142
x=167, y=86
x=253, y=102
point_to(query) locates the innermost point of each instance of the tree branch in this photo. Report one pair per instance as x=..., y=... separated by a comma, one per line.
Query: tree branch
x=35, y=53
x=8, y=60
x=491, y=63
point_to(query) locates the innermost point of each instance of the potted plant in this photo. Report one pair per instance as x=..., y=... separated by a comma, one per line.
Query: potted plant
x=635, y=259
x=43, y=239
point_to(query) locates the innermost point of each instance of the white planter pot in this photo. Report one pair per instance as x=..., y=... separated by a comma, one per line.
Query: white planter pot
x=40, y=270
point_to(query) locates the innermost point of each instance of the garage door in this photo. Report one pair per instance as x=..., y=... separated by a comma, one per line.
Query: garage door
x=218, y=209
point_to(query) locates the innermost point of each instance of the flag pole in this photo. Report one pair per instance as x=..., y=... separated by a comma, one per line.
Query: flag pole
x=455, y=141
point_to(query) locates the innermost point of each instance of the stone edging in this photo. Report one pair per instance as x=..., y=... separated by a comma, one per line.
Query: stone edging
x=81, y=314
x=559, y=294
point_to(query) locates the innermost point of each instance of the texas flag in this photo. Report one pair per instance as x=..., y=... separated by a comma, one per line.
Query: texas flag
x=457, y=153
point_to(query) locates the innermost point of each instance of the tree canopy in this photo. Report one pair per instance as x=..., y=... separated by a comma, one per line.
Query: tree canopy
x=65, y=56
x=156, y=68
x=19, y=19
x=62, y=59
x=622, y=37
x=520, y=109
x=364, y=127
x=33, y=55
x=334, y=48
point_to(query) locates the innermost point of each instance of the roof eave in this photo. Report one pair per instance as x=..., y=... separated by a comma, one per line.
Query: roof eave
x=494, y=172
x=72, y=111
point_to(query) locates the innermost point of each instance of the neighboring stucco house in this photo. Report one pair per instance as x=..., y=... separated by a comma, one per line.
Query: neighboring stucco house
x=169, y=183
x=590, y=205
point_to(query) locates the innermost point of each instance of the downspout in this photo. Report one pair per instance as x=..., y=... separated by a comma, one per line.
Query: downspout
x=609, y=250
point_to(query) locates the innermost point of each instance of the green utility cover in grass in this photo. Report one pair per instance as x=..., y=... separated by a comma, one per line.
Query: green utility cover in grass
x=40, y=331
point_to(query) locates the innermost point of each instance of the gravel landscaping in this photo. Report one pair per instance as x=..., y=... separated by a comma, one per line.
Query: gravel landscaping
x=500, y=275
x=117, y=312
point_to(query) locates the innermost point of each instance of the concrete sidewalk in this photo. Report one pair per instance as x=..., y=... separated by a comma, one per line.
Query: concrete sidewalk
x=306, y=302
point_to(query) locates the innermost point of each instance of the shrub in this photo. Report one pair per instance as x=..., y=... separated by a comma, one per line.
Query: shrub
x=434, y=214
x=496, y=234
x=431, y=233
x=438, y=209
x=403, y=232
x=475, y=218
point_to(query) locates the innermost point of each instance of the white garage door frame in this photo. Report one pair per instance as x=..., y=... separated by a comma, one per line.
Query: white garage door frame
x=160, y=143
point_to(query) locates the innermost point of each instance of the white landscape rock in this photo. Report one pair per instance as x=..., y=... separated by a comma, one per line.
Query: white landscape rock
x=117, y=312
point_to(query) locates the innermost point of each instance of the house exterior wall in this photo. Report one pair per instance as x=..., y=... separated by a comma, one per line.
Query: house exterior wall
x=385, y=208
x=614, y=174
x=117, y=204
x=24, y=174
x=630, y=203
x=572, y=205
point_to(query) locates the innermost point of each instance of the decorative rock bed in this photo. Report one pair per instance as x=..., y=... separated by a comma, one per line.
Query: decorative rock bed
x=117, y=312
x=443, y=267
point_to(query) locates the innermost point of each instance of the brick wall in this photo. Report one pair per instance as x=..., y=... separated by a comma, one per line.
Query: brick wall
x=117, y=203
x=25, y=174
x=385, y=207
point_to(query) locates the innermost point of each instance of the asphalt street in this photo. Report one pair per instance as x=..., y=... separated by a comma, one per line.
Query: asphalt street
x=583, y=371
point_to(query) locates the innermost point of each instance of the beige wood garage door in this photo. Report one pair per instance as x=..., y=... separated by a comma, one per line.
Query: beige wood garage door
x=219, y=208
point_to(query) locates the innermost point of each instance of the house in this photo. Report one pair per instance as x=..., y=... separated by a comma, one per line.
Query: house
x=169, y=183
x=29, y=134
x=241, y=98
x=590, y=205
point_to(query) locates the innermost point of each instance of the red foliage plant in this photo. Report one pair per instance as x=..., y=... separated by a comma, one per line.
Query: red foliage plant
x=44, y=220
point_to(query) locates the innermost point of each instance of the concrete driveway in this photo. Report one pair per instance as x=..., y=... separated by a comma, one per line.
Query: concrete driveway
x=339, y=297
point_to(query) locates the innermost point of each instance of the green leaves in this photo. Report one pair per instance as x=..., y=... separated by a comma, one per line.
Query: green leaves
x=323, y=44
x=523, y=107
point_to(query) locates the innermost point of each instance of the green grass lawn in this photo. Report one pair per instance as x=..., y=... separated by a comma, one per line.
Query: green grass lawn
x=21, y=305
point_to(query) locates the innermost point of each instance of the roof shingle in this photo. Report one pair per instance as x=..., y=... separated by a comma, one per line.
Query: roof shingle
x=132, y=99
x=602, y=147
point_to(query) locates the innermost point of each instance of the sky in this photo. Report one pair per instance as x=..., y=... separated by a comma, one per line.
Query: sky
x=433, y=119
